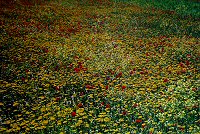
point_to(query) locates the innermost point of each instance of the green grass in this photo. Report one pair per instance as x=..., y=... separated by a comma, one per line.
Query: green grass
x=184, y=8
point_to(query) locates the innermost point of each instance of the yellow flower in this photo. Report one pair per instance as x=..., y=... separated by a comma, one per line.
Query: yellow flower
x=99, y=119
x=39, y=118
x=85, y=117
x=87, y=125
x=45, y=122
x=126, y=106
x=15, y=104
x=103, y=125
x=100, y=115
x=79, y=123
x=27, y=129
x=8, y=122
x=107, y=109
x=42, y=97
x=106, y=130
x=59, y=122
x=91, y=95
x=43, y=109
x=140, y=117
x=80, y=110
x=151, y=130
x=107, y=119
x=52, y=118
x=115, y=124
x=121, y=120
x=61, y=133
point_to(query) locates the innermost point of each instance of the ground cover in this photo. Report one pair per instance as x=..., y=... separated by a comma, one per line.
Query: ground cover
x=98, y=67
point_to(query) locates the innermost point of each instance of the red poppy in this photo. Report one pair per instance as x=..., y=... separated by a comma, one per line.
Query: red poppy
x=23, y=79
x=58, y=98
x=194, y=89
x=77, y=70
x=182, y=128
x=108, y=78
x=102, y=103
x=87, y=58
x=131, y=72
x=183, y=70
x=104, y=94
x=82, y=93
x=26, y=70
x=107, y=87
x=73, y=114
x=124, y=112
x=135, y=105
x=138, y=121
x=142, y=72
x=189, y=55
x=181, y=64
x=45, y=50
x=187, y=63
x=143, y=125
x=165, y=80
x=80, y=64
x=123, y=87
x=70, y=65
x=57, y=88
x=119, y=74
x=80, y=105
x=162, y=110
x=107, y=105
x=89, y=87
x=76, y=57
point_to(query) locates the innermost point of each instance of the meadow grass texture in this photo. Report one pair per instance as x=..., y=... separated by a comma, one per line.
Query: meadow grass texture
x=99, y=66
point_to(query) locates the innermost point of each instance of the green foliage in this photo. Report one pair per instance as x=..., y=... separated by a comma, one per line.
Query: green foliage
x=182, y=7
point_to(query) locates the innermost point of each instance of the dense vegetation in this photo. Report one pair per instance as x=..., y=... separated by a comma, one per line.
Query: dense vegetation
x=99, y=66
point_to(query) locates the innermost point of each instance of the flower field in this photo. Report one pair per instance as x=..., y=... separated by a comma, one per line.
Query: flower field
x=98, y=66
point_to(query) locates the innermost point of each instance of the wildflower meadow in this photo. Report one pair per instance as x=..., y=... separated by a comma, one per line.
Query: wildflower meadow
x=99, y=67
